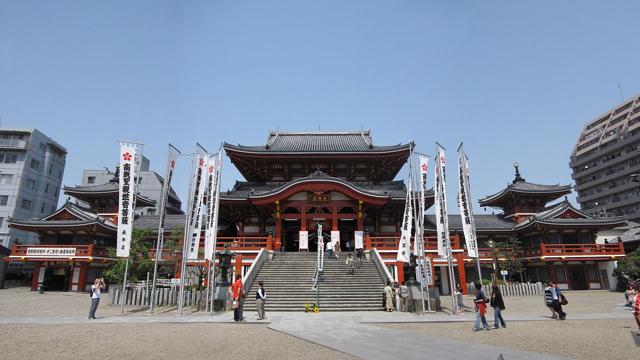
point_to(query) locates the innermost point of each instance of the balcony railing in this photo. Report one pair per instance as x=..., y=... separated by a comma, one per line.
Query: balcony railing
x=553, y=250
x=14, y=144
x=57, y=251
x=234, y=243
x=391, y=242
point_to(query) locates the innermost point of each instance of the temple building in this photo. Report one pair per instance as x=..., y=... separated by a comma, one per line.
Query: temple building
x=298, y=181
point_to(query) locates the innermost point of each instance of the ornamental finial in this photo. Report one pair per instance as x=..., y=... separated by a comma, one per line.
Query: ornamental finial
x=518, y=176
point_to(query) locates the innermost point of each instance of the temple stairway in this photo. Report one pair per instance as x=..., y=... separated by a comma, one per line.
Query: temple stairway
x=288, y=279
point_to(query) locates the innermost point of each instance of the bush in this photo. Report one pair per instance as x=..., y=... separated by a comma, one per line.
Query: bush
x=628, y=269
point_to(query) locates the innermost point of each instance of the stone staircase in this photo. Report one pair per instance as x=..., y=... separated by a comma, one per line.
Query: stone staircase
x=288, y=279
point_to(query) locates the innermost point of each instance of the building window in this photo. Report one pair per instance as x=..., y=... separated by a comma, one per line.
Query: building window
x=151, y=212
x=26, y=204
x=42, y=209
x=1, y=222
x=57, y=191
x=8, y=158
x=50, y=169
x=31, y=184
x=35, y=164
x=59, y=173
x=4, y=200
x=46, y=188
x=43, y=147
x=6, y=179
x=91, y=180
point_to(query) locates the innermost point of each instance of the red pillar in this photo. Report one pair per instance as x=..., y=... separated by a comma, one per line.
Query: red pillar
x=35, y=276
x=278, y=220
x=303, y=218
x=82, y=279
x=367, y=242
x=334, y=218
x=238, y=265
x=462, y=276
x=400, y=271
x=360, y=224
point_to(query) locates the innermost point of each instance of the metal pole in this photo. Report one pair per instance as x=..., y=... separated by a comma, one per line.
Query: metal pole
x=185, y=239
x=208, y=265
x=215, y=229
x=123, y=293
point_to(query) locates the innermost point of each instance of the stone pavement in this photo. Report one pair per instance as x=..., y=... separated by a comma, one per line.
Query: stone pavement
x=348, y=335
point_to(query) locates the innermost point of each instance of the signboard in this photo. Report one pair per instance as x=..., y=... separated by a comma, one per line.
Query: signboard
x=335, y=237
x=359, y=235
x=304, y=240
x=504, y=272
x=126, y=197
x=51, y=252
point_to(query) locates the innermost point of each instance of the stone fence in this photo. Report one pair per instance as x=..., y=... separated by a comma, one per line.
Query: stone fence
x=164, y=297
x=523, y=289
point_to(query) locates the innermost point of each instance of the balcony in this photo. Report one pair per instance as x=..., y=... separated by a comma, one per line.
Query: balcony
x=383, y=243
x=234, y=243
x=57, y=253
x=575, y=251
x=13, y=144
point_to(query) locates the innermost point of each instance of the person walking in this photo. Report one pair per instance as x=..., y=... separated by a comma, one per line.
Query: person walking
x=497, y=303
x=481, y=309
x=330, y=249
x=636, y=306
x=404, y=297
x=388, y=297
x=98, y=285
x=557, y=301
x=237, y=294
x=459, y=294
x=350, y=265
x=548, y=299
x=337, y=250
x=261, y=297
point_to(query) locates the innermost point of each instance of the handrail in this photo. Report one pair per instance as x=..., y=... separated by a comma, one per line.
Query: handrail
x=382, y=269
x=254, y=269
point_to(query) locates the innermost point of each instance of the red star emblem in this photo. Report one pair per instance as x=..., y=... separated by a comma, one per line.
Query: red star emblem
x=424, y=167
x=442, y=160
x=173, y=164
x=126, y=156
x=201, y=162
x=210, y=169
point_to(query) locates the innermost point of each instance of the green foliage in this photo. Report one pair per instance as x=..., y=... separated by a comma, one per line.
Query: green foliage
x=509, y=249
x=628, y=269
x=139, y=261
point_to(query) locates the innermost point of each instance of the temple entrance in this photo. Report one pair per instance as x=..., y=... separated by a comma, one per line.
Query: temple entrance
x=56, y=279
x=291, y=235
x=577, y=278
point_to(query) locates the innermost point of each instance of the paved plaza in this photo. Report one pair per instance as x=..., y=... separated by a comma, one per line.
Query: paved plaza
x=54, y=325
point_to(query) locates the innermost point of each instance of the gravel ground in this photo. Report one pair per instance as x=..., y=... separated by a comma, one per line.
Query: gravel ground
x=156, y=341
x=578, y=339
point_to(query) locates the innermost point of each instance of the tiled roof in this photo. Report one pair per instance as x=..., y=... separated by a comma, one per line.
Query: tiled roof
x=245, y=190
x=101, y=189
x=84, y=217
x=319, y=142
x=484, y=222
x=171, y=222
x=527, y=188
x=550, y=216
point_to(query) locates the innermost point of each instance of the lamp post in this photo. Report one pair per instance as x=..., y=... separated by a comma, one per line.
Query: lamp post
x=225, y=263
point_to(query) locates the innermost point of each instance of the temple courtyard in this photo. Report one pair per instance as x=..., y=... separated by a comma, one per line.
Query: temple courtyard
x=53, y=325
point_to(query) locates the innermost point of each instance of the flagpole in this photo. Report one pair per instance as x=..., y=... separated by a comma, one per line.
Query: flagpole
x=185, y=238
x=214, y=234
x=163, y=204
x=133, y=216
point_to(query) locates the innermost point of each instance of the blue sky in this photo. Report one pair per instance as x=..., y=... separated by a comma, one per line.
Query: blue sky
x=515, y=81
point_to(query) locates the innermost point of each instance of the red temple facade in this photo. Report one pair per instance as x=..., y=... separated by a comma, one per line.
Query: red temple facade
x=297, y=181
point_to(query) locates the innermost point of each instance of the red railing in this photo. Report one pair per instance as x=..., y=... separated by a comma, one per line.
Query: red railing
x=391, y=242
x=244, y=242
x=81, y=250
x=581, y=249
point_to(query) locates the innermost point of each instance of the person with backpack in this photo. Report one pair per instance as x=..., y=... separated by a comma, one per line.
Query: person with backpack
x=548, y=299
x=404, y=297
x=481, y=309
x=497, y=303
x=98, y=285
x=558, y=301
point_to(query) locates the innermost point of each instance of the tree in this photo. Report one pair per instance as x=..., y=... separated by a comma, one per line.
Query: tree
x=139, y=261
x=628, y=269
x=172, y=253
x=509, y=249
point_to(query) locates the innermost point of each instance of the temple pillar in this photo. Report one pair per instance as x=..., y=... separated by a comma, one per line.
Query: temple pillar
x=303, y=218
x=400, y=271
x=360, y=223
x=367, y=242
x=36, y=278
x=82, y=277
x=238, y=265
x=334, y=218
x=278, y=220
x=462, y=276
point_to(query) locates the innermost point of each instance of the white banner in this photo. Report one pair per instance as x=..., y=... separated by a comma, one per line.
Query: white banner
x=418, y=245
x=211, y=204
x=320, y=249
x=466, y=212
x=442, y=220
x=195, y=219
x=426, y=267
x=51, y=252
x=304, y=240
x=359, y=239
x=335, y=237
x=126, y=199
x=407, y=223
x=166, y=187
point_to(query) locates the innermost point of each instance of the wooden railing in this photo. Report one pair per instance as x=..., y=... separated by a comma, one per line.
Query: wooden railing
x=244, y=242
x=391, y=242
x=582, y=249
x=81, y=250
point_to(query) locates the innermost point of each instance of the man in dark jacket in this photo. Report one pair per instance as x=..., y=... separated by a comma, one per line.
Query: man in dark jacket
x=497, y=303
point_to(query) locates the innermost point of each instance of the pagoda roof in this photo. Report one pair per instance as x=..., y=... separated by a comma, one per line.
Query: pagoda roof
x=522, y=187
x=566, y=215
x=171, y=222
x=110, y=189
x=70, y=215
x=320, y=142
x=249, y=190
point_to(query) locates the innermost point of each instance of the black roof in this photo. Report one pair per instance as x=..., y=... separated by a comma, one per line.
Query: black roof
x=550, y=217
x=244, y=189
x=526, y=188
x=319, y=142
x=484, y=222
x=171, y=222
x=104, y=189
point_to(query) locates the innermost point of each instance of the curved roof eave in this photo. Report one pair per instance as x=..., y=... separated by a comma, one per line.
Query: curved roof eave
x=260, y=151
x=319, y=180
